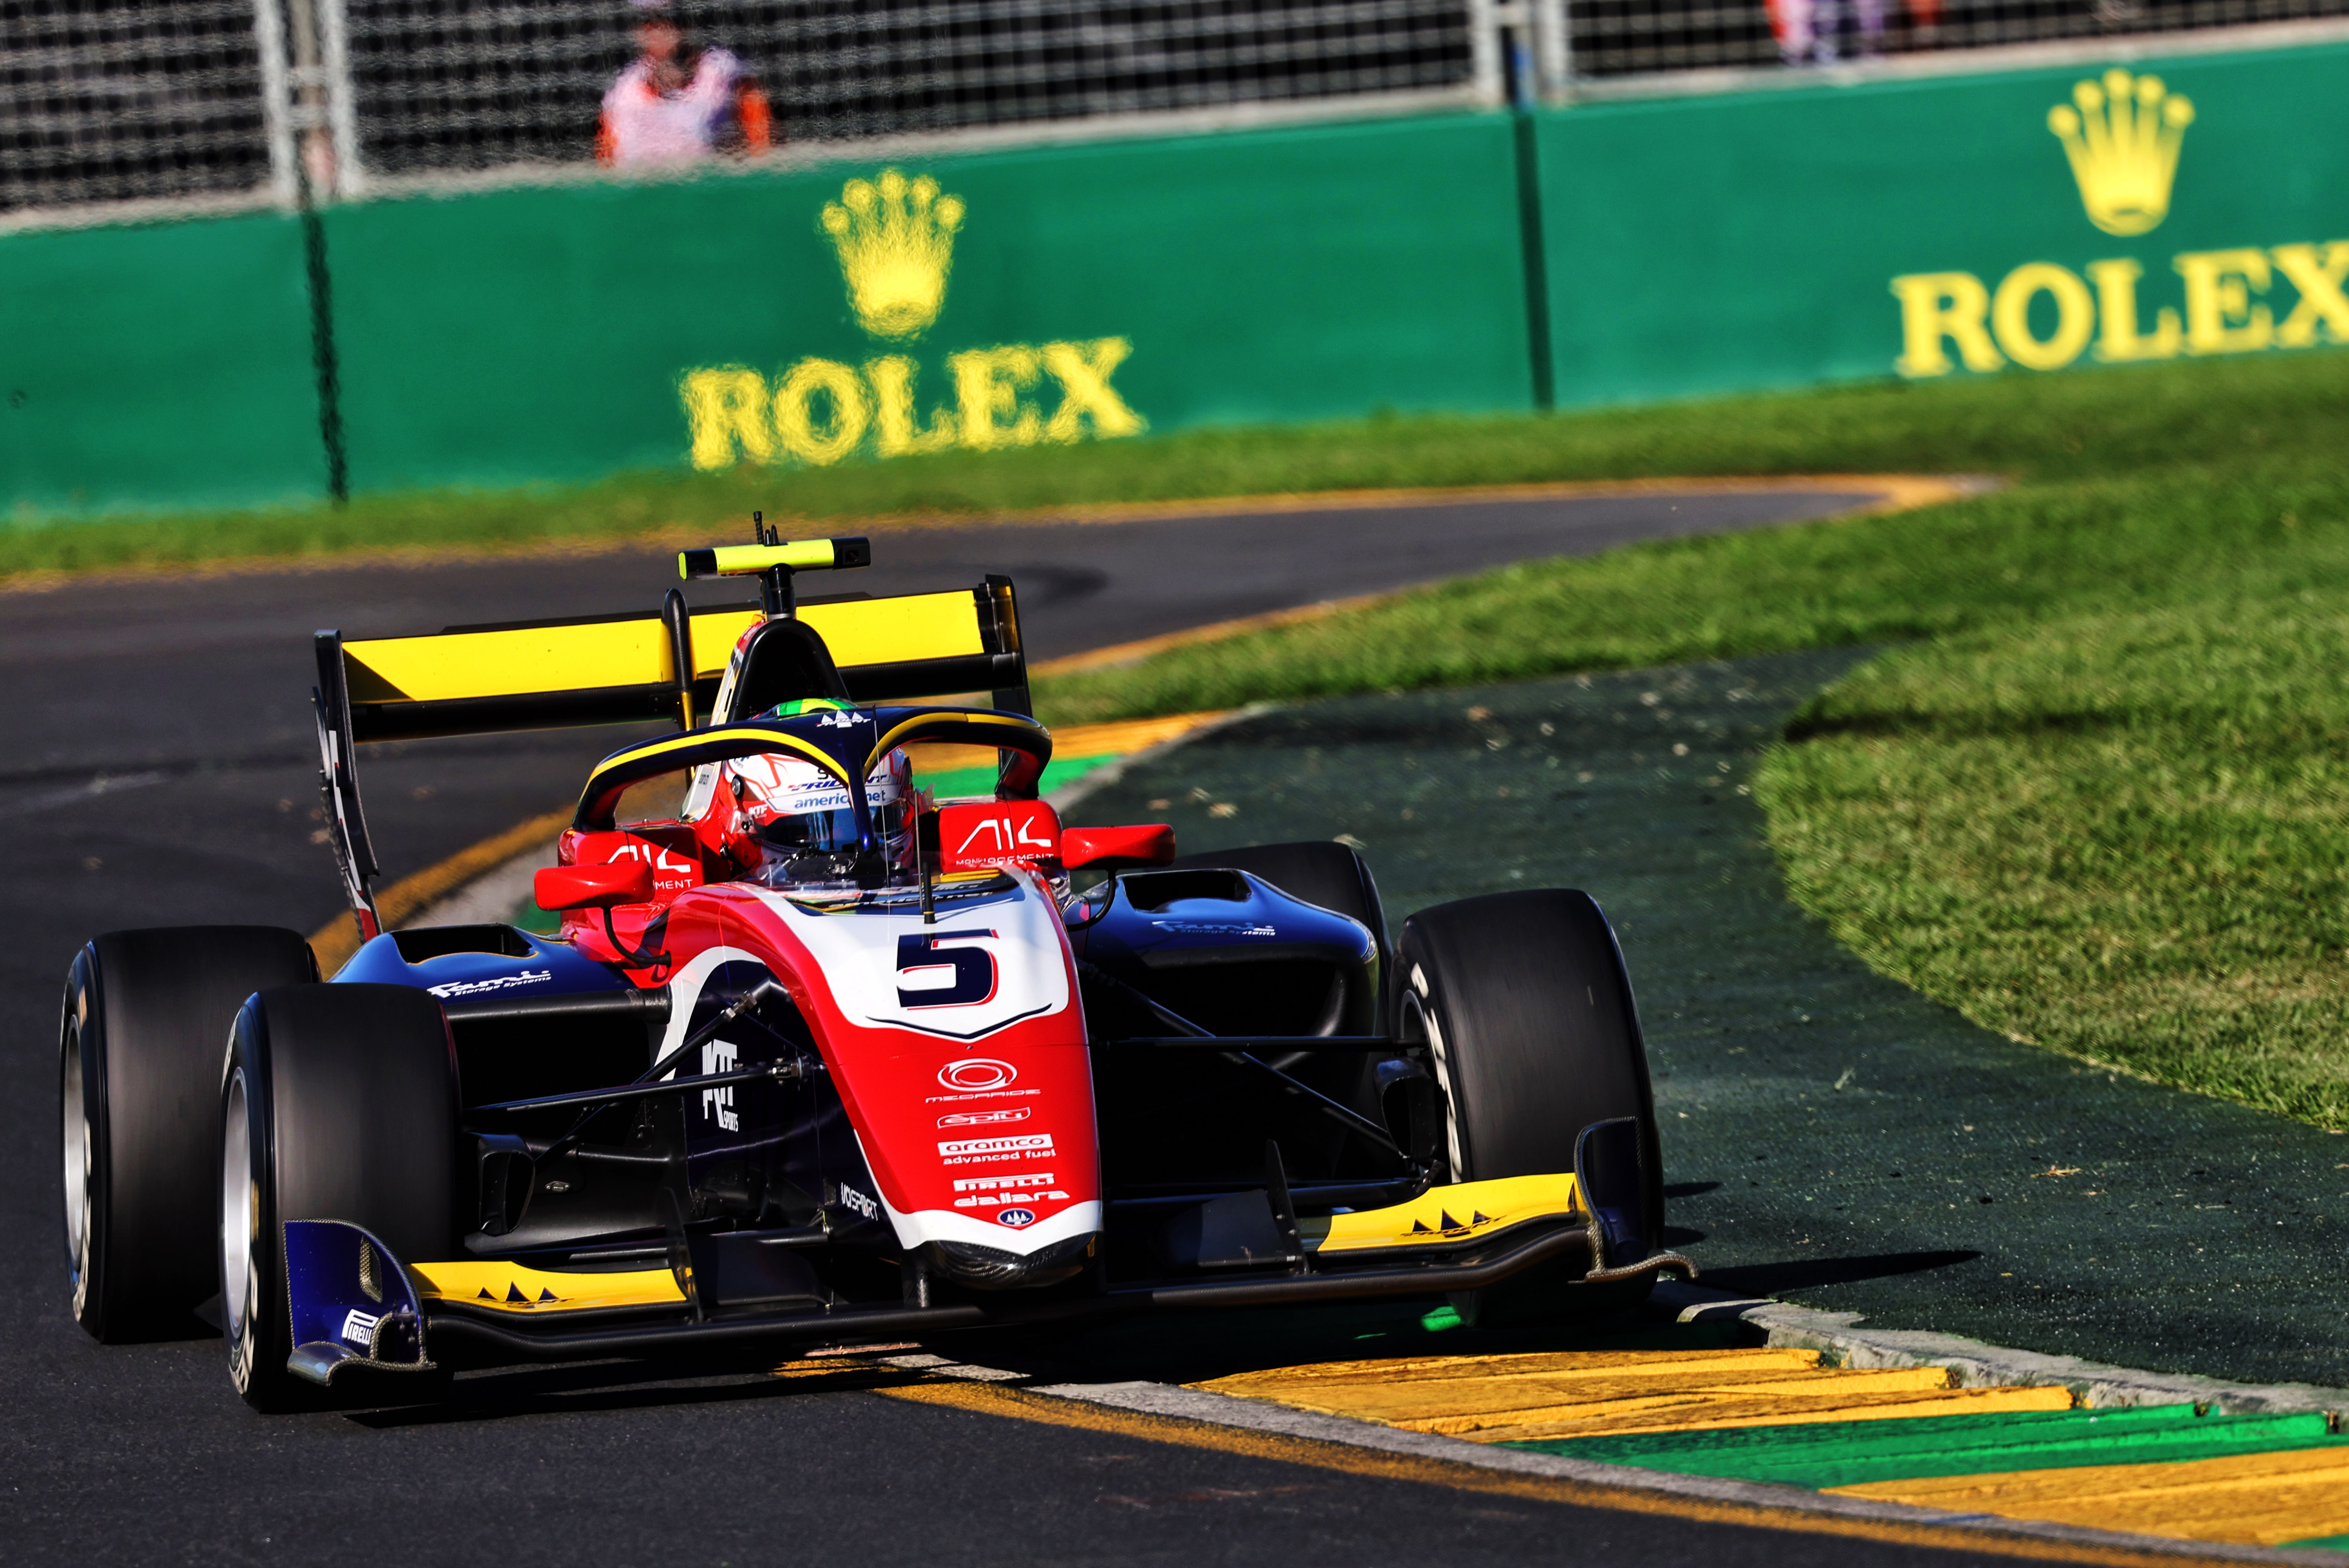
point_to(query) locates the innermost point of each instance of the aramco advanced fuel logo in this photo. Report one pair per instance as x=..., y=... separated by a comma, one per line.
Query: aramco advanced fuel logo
x=894, y=239
x=2123, y=136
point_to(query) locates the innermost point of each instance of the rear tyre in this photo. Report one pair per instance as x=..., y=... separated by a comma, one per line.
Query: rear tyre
x=340, y=1102
x=1525, y=1009
x=146, y=1016
x=1318, y=870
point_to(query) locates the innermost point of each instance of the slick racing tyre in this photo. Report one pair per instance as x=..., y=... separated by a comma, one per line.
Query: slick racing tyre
x=1320, y=871
x=340, y=1102
x=1521, y=1004
x=146, y=1016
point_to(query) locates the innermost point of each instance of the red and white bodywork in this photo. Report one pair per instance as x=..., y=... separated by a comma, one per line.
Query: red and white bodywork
x=956, y=1044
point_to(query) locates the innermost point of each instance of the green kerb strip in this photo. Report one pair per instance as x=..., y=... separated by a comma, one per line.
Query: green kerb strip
x=1846, y=1453
x=2333, y=1542
x=951, y=784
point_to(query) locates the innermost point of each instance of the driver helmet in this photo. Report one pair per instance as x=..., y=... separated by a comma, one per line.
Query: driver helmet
x=795, y=808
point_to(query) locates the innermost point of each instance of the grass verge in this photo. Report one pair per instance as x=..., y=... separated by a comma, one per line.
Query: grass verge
x=2047, y=429
x=2121, y=836
x=2170, y=485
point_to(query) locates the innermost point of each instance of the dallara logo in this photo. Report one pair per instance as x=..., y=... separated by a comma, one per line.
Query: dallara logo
x=895, y=238
x=2123, y=136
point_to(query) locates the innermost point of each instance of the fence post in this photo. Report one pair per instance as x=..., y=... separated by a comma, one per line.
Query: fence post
x=1553, y=49
x=276, y=122
x=1484, y=54
x=342, y=114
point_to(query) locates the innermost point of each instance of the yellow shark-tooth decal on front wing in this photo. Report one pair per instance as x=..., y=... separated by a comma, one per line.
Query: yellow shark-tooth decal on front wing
x=1444, y=1216
x=510, y=1287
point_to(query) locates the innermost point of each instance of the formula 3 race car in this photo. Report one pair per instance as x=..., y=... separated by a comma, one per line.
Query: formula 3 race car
x=817, y=1056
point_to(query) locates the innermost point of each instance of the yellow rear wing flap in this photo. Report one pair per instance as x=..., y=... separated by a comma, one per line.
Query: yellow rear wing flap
x=669, y=667
x=634, y=669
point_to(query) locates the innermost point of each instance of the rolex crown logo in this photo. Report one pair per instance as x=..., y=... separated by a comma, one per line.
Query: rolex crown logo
x=2123, y=142
x=896, y=240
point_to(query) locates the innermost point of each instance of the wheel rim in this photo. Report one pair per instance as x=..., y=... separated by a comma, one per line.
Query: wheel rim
x=1417, y=1026
x=236, y=1211
x=73, y=1111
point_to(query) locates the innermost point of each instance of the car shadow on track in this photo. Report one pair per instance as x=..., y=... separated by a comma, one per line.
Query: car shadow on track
x=607, y=1385
x=1809, y=1273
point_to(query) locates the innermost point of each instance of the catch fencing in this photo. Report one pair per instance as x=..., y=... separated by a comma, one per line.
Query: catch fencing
x=913, y=300
x=119, y=108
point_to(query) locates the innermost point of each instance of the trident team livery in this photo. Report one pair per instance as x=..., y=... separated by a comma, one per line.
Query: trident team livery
x=816, y=1057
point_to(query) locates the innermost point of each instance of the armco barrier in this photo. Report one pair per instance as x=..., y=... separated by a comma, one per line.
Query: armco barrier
x=1945, y=228
x=2018, y=222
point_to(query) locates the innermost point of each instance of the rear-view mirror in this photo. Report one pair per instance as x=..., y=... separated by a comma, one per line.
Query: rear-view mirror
x=592, y=886
x=1114, y=849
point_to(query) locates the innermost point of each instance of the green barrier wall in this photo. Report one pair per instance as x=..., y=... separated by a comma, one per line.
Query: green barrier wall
x=1772, y=257
x=1096, y=292
x=156, y=366
x=1265, y=276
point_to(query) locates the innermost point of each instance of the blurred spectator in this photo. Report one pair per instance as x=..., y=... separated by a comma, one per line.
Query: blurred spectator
x=1791, y=23
x=1809, y=30
x=676, y=105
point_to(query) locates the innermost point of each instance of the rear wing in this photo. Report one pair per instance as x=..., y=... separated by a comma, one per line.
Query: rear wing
x=671, y=665
x=631, y=668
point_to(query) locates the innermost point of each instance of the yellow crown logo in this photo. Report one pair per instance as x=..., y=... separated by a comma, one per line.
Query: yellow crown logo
x=2123, y=142
x=896, y=240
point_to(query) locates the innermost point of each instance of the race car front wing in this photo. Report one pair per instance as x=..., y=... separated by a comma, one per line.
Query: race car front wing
x=355, y=1306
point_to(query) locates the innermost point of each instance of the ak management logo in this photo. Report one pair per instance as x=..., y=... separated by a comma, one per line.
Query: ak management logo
x=2123, y=136
x=895, y=238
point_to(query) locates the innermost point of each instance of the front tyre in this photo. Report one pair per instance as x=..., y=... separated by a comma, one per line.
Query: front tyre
x=339, y=1102
x=145, y=1014
x=1522, y=1005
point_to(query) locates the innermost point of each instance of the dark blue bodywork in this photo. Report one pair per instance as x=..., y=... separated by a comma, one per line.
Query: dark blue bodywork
x=1161, y=924
x=460, y=962
x=1159, y=918
x=351, y=1302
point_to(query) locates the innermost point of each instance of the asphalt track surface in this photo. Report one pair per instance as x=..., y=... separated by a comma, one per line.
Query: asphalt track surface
x=160, y=772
